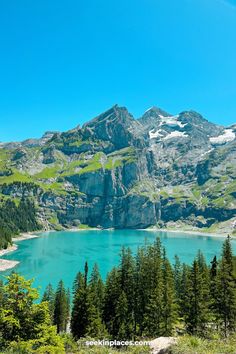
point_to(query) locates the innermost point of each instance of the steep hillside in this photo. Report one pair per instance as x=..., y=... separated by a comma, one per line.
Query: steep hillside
x=119, y=172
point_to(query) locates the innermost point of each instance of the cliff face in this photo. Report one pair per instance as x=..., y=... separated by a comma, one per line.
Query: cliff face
x=119, y=172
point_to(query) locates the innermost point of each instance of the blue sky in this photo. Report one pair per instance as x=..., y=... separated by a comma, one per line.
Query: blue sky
x=64, y=62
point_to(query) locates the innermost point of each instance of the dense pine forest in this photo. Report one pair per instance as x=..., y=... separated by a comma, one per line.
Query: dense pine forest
x=144, y=297
x=15, y=219
x=148, y=297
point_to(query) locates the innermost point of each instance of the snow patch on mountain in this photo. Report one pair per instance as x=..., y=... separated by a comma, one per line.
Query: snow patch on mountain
x=226, y=137
x=176, y=134
x=171, y=120
x=153, y=134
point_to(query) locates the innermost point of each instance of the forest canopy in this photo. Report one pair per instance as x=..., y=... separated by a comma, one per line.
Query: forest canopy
x=15, y=219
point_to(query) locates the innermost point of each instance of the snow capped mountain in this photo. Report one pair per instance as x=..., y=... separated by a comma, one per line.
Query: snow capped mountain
x=118, y=171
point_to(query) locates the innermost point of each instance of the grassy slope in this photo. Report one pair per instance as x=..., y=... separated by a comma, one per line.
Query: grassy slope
x=195, y=345
x=52, y=176
x=218, y=192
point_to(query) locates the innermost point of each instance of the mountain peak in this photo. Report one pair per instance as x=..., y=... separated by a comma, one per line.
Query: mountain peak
x=153, y=117
x=110, y=114
x=115, y=125
x=156, y=111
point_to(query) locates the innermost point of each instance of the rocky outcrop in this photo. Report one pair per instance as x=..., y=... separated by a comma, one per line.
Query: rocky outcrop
x=162, y=345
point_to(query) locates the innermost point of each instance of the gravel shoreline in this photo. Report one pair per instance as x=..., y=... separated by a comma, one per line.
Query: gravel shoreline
x=24, y=236
x=192, y=232
x=6, y=264
x=8, y=250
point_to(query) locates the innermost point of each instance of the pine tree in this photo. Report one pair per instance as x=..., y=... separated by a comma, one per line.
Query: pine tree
x=227, y=253
x=122, y=322
x=226, y=288
x=61, y=308
x=142, y=291
x=127, y=284
x=111, y=296
x=153, y=316
x=198, y=313
x=79, y=315
x=213, y=286
x=153, y=319
x=96, y=287
x=67, y=306
x=96, y=328
x=213, y=270
x=185, y=286
x=49, y=296
x=154, y=254
x=85, y=274
x=86, y=311
x=177, y=276
x=203, y=269
x=79, y=279
x=206, y=283
x=169, y=307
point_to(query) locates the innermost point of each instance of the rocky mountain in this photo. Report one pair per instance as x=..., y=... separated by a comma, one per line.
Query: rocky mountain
x=120, y=172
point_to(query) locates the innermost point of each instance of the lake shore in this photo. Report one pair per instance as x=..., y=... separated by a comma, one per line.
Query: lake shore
x=4, y=263
x=156, y=229
x=8, y=250
x=7, y=264
x=25, y=236
x=192, y=232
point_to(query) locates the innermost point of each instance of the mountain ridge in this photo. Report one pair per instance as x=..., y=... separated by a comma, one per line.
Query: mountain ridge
x=153, y=108
x=117, y=171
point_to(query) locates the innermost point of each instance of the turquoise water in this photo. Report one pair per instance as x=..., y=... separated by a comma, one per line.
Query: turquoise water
x=60, y=255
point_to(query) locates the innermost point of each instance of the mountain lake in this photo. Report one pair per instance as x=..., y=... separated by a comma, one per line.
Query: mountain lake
x=60, y=255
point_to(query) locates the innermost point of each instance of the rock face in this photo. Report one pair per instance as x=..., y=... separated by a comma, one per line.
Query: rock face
x=116, y=126
x=119, y=172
